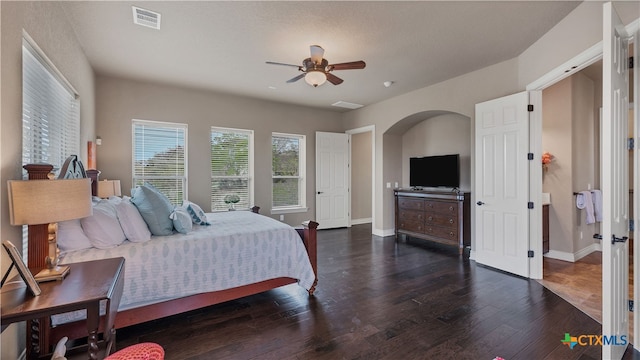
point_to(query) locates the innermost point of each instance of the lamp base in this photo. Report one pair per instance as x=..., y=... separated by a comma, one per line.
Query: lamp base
x=57, y=273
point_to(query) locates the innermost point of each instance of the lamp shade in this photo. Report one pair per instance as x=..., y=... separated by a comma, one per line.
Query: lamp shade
x=107, y=188
x=33, y=202
x=315, y=78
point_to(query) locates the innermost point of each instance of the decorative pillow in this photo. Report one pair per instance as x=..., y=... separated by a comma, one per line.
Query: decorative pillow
x=132, y=223
x=103, y=228
x=197, y=215
x=71, y=237
x=181, y=220
x=155, y=209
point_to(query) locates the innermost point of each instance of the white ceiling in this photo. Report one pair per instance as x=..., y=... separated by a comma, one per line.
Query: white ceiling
x=223, y=45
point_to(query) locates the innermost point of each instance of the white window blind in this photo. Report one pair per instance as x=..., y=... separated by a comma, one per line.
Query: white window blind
x=159, y=157
x=231, y=168
x=50, y=112
x=50, y=115
x=288, y=168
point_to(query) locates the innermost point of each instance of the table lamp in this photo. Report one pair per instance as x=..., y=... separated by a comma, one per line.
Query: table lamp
x=108, y=188
x=34, y=202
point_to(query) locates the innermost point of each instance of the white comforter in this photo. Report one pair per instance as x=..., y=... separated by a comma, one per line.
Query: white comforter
x=238, y=248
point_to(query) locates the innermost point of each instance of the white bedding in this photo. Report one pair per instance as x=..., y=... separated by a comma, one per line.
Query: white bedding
x=238, y=248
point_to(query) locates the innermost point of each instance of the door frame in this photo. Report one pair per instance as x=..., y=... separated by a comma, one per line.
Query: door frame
x=364, y=129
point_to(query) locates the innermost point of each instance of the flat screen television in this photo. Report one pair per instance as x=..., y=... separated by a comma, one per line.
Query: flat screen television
x=435, y=171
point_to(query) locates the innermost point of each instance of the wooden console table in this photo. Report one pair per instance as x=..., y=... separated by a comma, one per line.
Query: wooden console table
x=87, y=284
x=441, y=216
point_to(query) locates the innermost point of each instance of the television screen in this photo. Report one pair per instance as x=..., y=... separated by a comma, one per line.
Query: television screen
x=435, y=171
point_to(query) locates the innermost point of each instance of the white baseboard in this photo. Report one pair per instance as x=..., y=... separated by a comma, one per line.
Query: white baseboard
x=472, y=254
x=384, y=232
x=361, y=221
x=573, y=257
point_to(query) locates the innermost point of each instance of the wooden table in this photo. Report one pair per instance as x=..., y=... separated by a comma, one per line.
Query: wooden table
x=87, y=284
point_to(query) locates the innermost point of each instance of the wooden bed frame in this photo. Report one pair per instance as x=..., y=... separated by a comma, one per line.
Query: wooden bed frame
x=45, y=337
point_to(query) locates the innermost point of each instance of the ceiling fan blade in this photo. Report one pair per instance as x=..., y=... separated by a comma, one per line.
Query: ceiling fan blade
x=296, y=78
x=317, y=52
x=283, y=64
x=354, y=65
x=334, y=79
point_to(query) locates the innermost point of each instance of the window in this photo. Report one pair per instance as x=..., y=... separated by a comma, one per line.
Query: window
x=160, y=157
x=231, y=168
x=50, y=115
x=288, y=170
x=50, y=111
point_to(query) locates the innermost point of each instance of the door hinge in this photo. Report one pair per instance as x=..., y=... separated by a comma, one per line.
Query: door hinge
x=631, y=143
x=631, y=225
x=529, y=108
x=530, y=156
x=530, y=253
x=530, y=205
x=631, y=305
x=630, y=62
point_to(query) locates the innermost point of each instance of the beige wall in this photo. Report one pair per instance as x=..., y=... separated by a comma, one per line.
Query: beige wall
x=46, y=23
x=361, y=167
x=569, y=133
x=439, y=135
x=118, y=101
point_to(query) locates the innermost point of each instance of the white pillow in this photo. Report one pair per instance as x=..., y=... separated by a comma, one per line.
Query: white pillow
x=71, y=237
x=132, y=223
x=181, y=220
x=103, y=228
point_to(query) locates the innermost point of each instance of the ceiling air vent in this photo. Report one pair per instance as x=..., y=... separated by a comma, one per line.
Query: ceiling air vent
x=347, y=105
x=146, y=18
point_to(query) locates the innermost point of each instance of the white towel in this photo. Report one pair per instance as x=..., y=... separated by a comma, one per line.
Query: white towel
x=597, y=204
x=584, y=201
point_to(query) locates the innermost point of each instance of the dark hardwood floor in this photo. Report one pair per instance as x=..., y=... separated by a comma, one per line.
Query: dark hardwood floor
x=378, y=299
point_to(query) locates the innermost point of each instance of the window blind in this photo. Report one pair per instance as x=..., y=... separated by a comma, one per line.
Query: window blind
x=50, y=116
x=287, y=165
x=231, y=167
x=50, y=113
x=159, y=157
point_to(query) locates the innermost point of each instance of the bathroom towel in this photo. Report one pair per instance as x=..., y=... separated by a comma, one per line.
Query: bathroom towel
x=597, y=204
x=584, y=201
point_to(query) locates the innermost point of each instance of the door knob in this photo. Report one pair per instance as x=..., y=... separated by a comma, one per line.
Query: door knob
x=320, y=192
x=480, y=203
x=615, y=239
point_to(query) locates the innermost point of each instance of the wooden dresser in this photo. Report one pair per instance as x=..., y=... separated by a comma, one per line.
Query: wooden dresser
x=442, y=216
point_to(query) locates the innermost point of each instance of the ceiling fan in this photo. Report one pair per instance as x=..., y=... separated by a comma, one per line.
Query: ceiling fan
x=316, y=70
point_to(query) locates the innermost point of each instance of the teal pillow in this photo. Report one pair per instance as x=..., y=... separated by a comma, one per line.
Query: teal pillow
x=155, y=209
x=197, y=214
x=181, y=220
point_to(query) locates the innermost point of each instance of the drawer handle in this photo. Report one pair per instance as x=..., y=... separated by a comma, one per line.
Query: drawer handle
x=450, y=221
x=450, y=208
x=430, y=218
x=430, y=205
x=451, y=233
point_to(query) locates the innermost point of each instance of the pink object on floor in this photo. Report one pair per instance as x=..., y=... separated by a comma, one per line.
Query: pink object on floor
x=142, y=351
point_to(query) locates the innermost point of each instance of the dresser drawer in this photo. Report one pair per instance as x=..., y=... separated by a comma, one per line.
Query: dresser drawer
x=408, y=225
x=441, y=232
x=411, y=215
x=441, y=207
x=440, y=219
x=410, y=203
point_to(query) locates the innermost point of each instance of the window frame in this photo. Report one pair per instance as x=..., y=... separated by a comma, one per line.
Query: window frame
x=251, y=175
x=164, y=124
x=302, y=179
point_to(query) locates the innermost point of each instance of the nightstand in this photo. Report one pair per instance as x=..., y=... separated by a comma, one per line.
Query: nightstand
x=87, y=284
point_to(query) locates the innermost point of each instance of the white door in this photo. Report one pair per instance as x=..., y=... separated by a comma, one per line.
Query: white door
x=332, y=180
x=615, y=186
x=502, y=183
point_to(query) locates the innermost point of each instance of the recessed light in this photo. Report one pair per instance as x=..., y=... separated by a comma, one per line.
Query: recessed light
x=272, y=87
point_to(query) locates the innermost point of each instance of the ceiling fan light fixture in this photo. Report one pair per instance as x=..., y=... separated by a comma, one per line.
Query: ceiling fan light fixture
x=315, y=78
